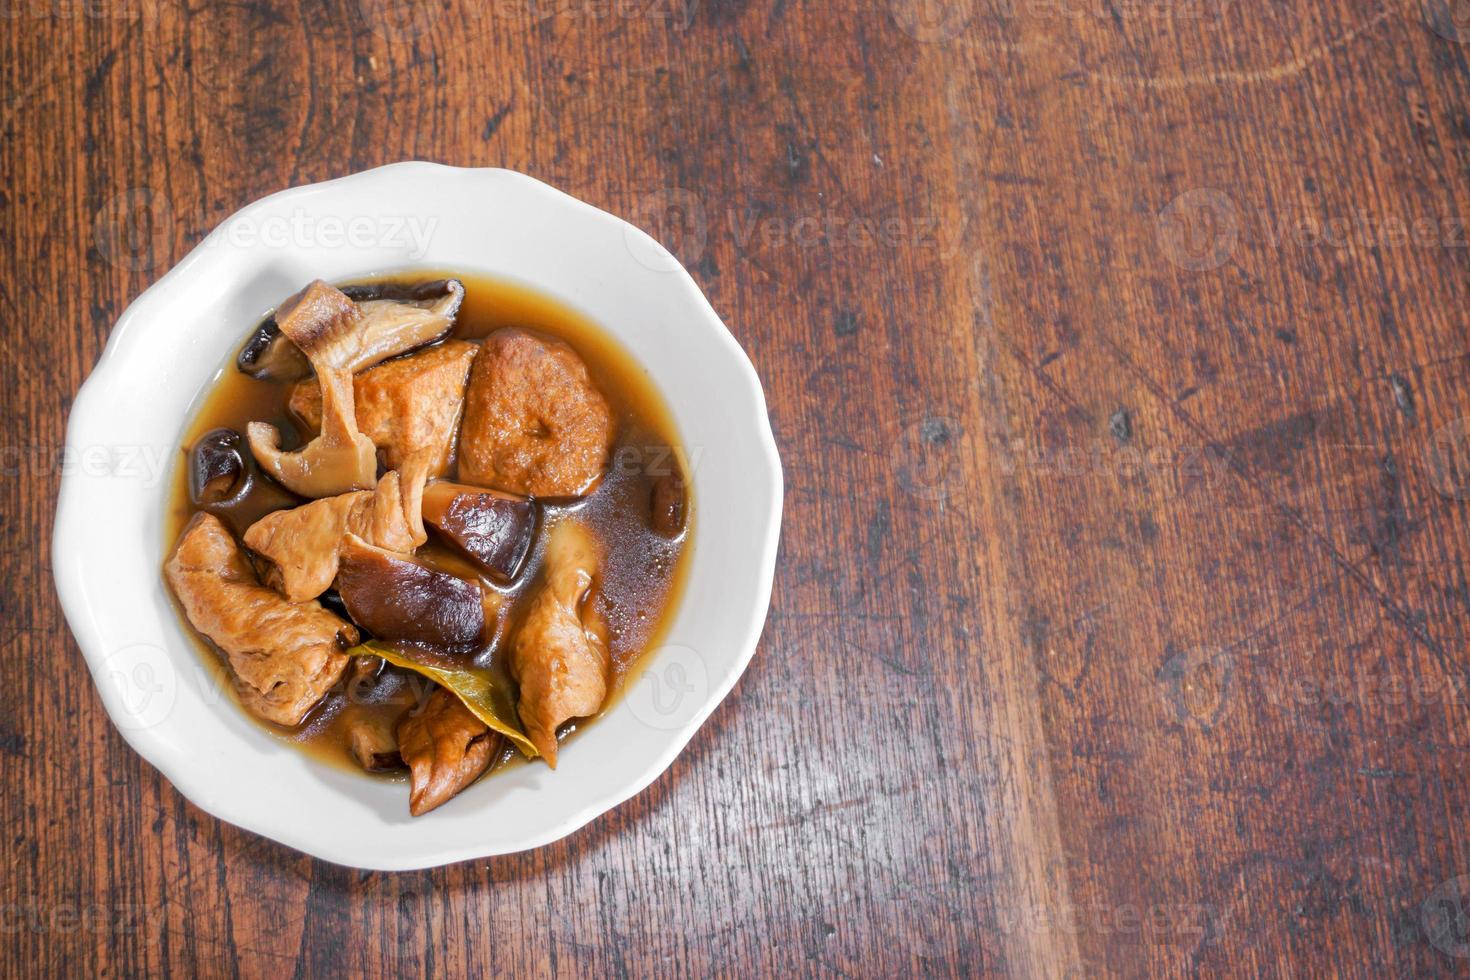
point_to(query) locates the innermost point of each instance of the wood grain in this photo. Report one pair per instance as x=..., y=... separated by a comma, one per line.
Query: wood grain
x=1116, y=353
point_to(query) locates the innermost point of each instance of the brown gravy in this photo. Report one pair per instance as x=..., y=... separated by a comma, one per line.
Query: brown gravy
x=643, y=572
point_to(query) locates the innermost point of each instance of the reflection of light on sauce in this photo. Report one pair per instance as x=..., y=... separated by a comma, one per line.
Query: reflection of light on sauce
x=641, y=571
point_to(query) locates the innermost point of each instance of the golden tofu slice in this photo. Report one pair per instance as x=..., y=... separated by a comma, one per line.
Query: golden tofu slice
x=283, y=656
x=405, y=406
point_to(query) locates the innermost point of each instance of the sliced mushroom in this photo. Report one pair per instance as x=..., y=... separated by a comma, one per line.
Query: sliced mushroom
x=397, y=323
x=270, y=356
x=322, y=322
x=303, y=543
x=396, y=597
x=219, y=471
x=446, y=748
x=370, y=737
x=421, y=293
x=388, y=320
x=495, y=529
x=339, y=459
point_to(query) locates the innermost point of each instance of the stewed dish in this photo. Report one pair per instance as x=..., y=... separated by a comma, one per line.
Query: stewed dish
x=428, y=525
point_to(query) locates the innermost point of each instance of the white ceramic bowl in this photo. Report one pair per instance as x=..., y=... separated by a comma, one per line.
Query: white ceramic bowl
x=123, y=438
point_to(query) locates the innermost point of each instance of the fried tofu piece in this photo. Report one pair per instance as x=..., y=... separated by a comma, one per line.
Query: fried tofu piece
x=559, y=656
x=304, y=543
x=534, y=423
x=405, y=406
x=283, y=656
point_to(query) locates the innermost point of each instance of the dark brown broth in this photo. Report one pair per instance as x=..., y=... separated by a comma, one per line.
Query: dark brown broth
x=642, y=572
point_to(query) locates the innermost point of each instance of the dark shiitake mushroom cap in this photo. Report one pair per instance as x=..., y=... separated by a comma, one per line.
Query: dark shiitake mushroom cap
x=270, y=356
x=495, y=529
x=395, y=319
x=419, y=292
x=395, y=597
x=219, y=469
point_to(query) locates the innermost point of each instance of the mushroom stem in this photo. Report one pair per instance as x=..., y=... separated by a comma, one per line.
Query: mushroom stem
x=321, y=320
x=336, y=461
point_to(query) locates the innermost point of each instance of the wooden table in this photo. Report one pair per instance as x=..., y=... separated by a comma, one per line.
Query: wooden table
x=1117, y=356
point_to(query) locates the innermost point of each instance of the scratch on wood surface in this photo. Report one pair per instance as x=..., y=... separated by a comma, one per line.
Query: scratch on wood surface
x=15, y=102
x=1272, y=73
x=1394, y=610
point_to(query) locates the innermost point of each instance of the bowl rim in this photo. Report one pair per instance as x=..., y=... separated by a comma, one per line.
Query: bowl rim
x=175, y=766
